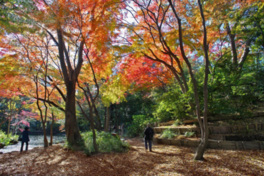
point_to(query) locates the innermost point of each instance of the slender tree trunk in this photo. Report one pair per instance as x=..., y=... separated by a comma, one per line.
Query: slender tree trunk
x=204, y=141
x=9, y=124
x=91, y=120
x=40, y=111
x=202, y=122
x=93, y=130
x=107, y=119
x=51, y=129
x=10, y=118
x=71, y=127
x=46, y=143
x=98, y=125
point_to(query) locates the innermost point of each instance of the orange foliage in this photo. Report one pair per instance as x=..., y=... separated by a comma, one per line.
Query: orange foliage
x=144, y=73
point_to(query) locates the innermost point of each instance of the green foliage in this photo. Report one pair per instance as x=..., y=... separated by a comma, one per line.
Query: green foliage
x=177, y=122
x=106, y=142
x=7, y=139
x=78, y=146
x=171, y=104
x=250, y=23
x=168, y=134
x=138, y=125
x=136, y=104
x=83, y=124
x=235, y=92
x=189, y=134
x=14, y=15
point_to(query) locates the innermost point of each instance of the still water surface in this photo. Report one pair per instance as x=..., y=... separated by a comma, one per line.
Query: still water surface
x=35, y=141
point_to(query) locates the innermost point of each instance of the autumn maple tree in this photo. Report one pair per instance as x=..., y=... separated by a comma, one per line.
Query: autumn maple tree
x=180, y=35
x=79, y=29
x=158, y=26
x=75, y=33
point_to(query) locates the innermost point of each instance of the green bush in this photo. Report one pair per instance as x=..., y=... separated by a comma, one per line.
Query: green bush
x=172, y=104
x=106, y=142
x=6, y=139
x=168, y=134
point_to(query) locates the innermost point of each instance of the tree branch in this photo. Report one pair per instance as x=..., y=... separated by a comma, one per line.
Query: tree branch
x=50, y=103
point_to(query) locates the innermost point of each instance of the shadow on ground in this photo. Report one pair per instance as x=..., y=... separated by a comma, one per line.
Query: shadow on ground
x=164, y=160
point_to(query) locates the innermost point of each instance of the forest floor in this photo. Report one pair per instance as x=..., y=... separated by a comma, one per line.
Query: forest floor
x=164, y=160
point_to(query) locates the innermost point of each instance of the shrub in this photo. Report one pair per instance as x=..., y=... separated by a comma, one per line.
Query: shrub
x=106, y=142
x=7, y=139
x=172, y=104
x=168, y=134
x=189, y=134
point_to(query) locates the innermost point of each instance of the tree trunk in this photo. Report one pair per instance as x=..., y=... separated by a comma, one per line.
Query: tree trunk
x=98, y=125
x=71, y=127
x=9, y=124
x=91, y=120
x=201, y=148
x=51, y=130
x=107, y=119
x=93, y=130
x=10, y=118
x=46, y=143
x=204, y=132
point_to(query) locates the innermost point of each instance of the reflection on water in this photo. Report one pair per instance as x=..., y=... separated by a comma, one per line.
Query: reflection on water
x=35, y=141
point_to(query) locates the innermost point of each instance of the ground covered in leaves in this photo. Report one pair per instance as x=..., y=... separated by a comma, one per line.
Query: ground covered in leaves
x=164, y=160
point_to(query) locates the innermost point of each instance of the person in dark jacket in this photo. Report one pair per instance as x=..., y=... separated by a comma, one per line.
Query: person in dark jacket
x=149, y=133
x=25, y=139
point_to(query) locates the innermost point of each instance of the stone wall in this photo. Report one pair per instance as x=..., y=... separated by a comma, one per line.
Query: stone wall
x=231, y=137
x=214, y=144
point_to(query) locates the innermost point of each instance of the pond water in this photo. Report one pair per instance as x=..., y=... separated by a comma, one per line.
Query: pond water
x=35, y=141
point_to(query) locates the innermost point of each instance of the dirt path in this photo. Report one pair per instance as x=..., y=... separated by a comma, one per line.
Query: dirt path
x=164, y=160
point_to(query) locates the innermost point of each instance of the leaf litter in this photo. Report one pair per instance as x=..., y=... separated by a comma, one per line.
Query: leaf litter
x=164, y=160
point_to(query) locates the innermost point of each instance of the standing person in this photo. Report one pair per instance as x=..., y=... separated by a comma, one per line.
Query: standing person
x=149, y=132
x=25, y=139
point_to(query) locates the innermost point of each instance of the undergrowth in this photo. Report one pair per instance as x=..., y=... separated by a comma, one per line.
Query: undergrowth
x=168, y=134
x=106, y=143
x=7, y=139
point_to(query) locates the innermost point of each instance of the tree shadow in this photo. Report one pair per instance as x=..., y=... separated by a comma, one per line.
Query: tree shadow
x=164, y=160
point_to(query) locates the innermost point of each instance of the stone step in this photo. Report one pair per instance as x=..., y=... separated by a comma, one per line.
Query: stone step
x=236, y=137
x=190, y=122
x=237, y=129
x=169, y=123
x=177, y=129
x=214, y=144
